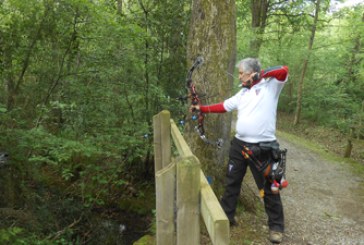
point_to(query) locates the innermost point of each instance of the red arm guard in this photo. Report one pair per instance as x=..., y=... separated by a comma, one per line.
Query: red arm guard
x=278, y=72
x=215, y=108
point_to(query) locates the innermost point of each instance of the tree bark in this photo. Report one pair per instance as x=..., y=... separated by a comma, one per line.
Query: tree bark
x=119, y=6
x=213, y=36
x=355, y=58
x=259, y=9
x=352, y=78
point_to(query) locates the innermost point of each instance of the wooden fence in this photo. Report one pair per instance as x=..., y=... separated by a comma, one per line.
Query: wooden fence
x=182, y=191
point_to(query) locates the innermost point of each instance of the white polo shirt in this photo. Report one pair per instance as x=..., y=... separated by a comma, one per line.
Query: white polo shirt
x=257, y=110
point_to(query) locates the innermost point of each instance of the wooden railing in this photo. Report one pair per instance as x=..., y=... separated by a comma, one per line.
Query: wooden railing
x=182, y=191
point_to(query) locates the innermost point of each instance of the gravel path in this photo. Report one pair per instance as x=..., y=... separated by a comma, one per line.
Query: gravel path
x=324, y=202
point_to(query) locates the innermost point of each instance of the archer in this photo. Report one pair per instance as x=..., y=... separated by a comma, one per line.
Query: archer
x=255, y=144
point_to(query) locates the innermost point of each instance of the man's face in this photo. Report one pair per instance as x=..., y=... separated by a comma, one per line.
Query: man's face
x=245, y=78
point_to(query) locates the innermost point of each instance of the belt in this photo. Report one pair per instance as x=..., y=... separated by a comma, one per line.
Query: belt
x=248, y=143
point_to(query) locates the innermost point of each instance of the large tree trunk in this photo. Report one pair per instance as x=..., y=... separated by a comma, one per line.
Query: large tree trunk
x=213, y=36
x=305, y=64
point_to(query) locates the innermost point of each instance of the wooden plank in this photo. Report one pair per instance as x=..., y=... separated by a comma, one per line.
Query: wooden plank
x=162, y=139
x=187, y=203
x=157, y=142
x=215, y=219
x=166, y=137
x=182, y=147
x=165, y=180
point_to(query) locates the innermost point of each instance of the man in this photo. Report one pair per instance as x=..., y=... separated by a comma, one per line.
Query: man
x=256, y=103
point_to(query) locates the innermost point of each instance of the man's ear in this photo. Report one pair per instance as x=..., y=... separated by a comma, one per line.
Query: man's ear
x=256, y=77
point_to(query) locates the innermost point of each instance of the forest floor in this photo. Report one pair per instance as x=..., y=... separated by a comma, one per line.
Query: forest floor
x=324, y=202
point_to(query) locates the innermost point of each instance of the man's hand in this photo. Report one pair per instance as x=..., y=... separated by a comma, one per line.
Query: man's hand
x=194, y=108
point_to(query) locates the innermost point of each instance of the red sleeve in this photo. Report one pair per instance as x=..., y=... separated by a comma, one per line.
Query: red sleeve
x=278, y=72
x=215, y=108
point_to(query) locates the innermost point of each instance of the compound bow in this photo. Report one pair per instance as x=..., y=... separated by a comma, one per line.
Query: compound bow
x=195, y=100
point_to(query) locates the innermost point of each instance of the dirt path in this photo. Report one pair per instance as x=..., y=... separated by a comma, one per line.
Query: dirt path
x=324, y=203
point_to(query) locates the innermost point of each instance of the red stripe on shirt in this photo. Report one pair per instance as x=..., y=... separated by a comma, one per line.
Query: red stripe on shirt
x=215, y=108
x=278, y=72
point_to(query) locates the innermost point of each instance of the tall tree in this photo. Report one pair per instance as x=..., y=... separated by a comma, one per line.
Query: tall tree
x=305, y=63
x=259, y=9
x=352, y=77
x=213, y=36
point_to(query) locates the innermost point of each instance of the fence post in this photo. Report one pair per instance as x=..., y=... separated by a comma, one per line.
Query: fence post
x=188, y=195
x=165, y=182
x=165, y=178
x=162, y=139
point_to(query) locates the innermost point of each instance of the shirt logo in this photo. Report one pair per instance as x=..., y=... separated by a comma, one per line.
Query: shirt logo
x=257, y=92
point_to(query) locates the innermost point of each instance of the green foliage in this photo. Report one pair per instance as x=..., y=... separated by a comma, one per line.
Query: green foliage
x=18, y=236
x=80, y=81
x=90, y=86
x=9, y=235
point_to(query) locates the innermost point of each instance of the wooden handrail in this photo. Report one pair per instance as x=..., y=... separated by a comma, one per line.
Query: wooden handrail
x=180, y=143
x=194, y=196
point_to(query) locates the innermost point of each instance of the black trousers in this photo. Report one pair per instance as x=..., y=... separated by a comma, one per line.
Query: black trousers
x=236, y=170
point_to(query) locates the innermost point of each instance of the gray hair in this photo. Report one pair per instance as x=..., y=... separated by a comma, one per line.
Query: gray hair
x=249, y=65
